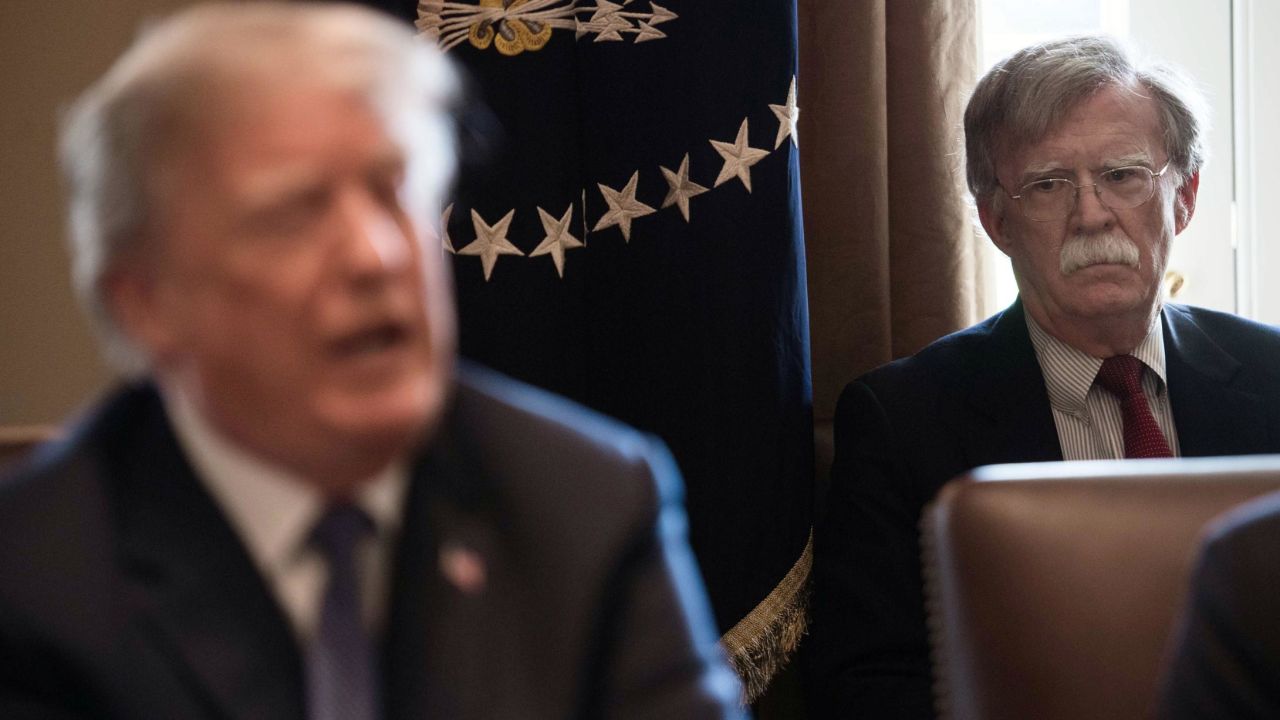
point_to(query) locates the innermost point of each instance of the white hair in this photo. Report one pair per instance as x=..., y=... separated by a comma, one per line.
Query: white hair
x=1021, y=100
x=141, y=114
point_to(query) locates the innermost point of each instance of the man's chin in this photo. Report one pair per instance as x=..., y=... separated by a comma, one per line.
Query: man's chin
x=392, y=420
x=1107, y=300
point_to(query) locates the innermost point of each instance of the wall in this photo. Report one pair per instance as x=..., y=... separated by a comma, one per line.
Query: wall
x=49, y=51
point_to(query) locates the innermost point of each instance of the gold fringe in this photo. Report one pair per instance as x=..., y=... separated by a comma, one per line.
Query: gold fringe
x=762, y=642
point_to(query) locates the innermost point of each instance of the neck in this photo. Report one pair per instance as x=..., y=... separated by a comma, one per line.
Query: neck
x=1100, y=337
x=337, y=469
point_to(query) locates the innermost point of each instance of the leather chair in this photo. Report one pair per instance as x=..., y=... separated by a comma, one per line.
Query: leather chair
x=17, y=441
x=1052, y=588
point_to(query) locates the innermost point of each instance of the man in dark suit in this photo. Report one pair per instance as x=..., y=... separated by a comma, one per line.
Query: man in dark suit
x=300, y=506
x=1084, y=165
x=1226, y=662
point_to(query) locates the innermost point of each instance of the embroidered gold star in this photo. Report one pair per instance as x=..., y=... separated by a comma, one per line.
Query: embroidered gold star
x=660, y=14
x=787, y=116
x=604, y=10
x=648, y=32
x=558, y=238
x=446, y=242
x=623, y=207
x=681, y=187
x=491, y=241
x=608, y=21
x=738, y=158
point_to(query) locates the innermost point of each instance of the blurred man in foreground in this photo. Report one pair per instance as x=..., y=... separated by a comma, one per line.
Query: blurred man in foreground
x=300, y=507
x=1084, y=163
x=1226, y=659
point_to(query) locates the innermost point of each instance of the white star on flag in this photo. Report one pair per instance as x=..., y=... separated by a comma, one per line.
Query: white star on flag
x=446, y=242
x=558, y=238
x=738, y=158
x=491, y=241
x=623, y=207
x=787, y=116
x=682, y=188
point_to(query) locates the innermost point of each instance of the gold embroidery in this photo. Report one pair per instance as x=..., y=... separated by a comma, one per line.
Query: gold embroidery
x=510, y=35
x=514, y=26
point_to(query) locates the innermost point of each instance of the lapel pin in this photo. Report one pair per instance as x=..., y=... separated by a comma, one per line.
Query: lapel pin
x=463, y=567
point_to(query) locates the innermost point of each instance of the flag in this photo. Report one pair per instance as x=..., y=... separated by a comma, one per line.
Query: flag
x=633, y=240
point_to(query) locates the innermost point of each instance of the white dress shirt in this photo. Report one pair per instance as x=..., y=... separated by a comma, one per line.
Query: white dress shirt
x=273, y=511
x=1088, y=418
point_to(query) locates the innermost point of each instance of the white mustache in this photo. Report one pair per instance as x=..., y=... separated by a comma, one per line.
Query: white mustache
x=1085, y=250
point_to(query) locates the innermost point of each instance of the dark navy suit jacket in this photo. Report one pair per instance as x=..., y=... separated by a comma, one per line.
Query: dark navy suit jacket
x=978, y=397
x=125, y=593
x=1227, y=658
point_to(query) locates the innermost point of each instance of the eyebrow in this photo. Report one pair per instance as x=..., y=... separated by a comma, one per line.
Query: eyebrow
x=1035, y=171
x=278, y=185
x=1041, y=169
x=1127, y=160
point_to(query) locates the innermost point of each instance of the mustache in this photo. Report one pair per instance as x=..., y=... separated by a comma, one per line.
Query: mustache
x=1085, y=250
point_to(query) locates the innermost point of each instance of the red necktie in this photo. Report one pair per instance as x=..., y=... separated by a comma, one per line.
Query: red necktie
x=1122, y=376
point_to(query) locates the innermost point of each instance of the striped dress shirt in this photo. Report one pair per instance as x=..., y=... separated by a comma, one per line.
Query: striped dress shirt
x=1087, y=417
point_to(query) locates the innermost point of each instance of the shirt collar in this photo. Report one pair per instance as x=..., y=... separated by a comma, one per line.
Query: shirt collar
x=272, y=509
x=1069, y=372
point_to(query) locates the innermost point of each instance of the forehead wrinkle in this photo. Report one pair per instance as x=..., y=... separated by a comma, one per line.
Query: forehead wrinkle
x=281, y=180
x=275, y=183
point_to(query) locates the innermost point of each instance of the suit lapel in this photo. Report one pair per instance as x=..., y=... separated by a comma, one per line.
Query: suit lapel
x=407, y=664
x=1006, y=415
x=442, y=654
x=193, y=586
x=1212, y=418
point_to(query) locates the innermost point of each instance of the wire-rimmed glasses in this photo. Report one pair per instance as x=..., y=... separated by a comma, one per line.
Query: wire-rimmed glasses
x=1122, y=188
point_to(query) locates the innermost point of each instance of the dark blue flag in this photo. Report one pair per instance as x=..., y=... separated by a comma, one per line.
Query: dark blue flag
x=633, y=241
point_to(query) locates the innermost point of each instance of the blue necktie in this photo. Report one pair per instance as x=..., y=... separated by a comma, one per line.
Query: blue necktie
x=342, y=676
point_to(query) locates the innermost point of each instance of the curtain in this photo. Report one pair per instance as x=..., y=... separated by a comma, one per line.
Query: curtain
x=895, y=260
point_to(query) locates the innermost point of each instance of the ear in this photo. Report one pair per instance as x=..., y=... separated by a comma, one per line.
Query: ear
x=1184, y=203
x=993, y=222
x=133, y=294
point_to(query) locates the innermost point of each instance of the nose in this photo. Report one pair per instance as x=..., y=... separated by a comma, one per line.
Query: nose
x=374, y=240
x=1089, y=214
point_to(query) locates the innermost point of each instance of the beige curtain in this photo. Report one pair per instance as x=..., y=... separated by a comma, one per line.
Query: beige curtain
x=894, y=259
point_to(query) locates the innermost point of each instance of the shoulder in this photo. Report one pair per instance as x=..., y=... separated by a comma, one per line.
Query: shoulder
x=1251, y=528
x=57, y=510
x=1245, y=351
x=535, y=439
x=79, y=457
x=1223, y=328
x=942, y=366
x=1236, y=566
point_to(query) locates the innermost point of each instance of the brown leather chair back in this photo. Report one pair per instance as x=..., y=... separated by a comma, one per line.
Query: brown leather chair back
x=17, y=441
x=1052, y=588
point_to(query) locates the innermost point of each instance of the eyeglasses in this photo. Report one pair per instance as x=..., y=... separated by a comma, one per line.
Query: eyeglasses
x=1119, y=188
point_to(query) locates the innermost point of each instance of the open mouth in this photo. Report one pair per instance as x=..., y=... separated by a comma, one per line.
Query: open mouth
x=372, y=340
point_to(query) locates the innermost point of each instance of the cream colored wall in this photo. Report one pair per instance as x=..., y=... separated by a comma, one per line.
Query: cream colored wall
x=49, y=51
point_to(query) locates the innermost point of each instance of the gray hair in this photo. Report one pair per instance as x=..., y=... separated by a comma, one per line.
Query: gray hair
x=1021, y=100
x=117, y=135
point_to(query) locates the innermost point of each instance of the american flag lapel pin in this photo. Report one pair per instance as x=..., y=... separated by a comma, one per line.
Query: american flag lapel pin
x=463, y=568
